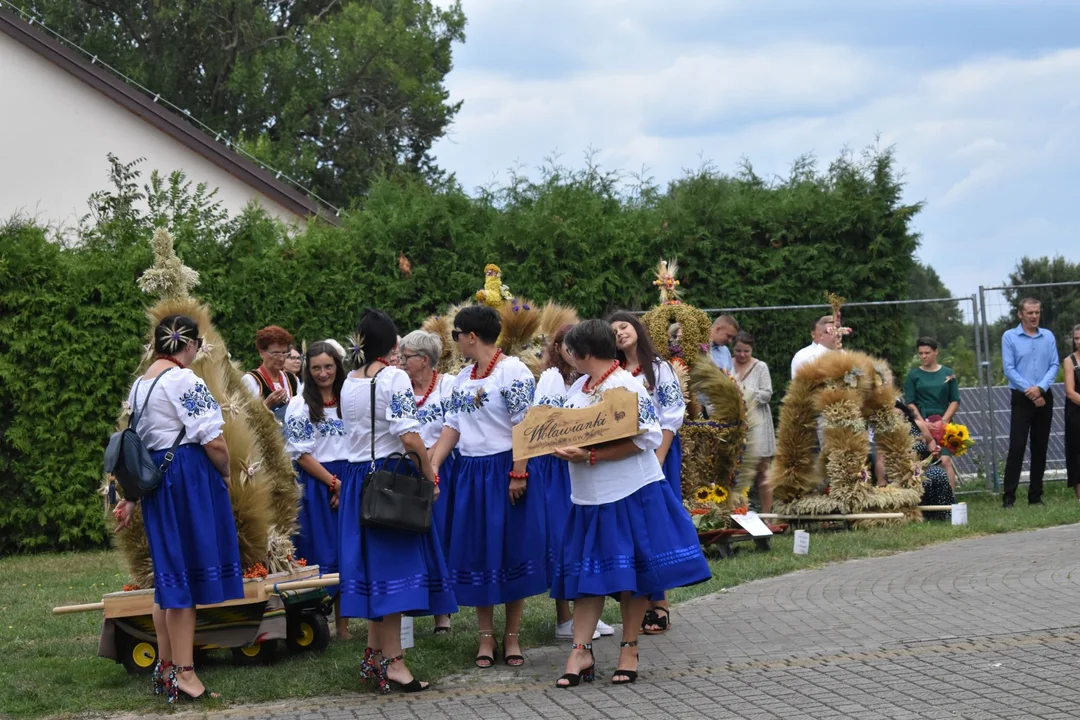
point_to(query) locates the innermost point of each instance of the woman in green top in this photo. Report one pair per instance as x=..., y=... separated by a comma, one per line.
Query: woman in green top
x=932, y=390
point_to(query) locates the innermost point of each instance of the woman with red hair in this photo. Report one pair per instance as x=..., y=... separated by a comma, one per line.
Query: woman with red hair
x=271, y=381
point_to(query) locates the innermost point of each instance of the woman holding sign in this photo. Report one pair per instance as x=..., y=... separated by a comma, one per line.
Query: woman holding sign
x=627, y=536
x=551, y=475
x=498, y=551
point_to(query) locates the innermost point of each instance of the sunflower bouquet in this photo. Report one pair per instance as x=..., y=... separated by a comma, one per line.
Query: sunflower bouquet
x=956, y=439
x=709, y=510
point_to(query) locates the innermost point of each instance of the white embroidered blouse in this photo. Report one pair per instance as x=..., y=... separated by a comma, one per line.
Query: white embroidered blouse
x=395, y=414
x=550, y=389
x=180, y=400
x=326, y=441
x=432, y=413
x=485, y=411
x=667, y=396
x=608, y=481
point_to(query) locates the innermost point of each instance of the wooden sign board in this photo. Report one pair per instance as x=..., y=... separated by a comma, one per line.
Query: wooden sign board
x=546, y=428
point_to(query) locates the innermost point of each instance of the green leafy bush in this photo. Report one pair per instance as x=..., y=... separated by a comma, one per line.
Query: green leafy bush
x=72, y=326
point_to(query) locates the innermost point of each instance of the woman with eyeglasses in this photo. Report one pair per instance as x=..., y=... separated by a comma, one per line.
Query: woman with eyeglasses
x=315, y=439
x=627, y=536
x=270, y=381
x=498, y=552
x=385, y=572
x=639, y=357
x=188, y=519
x=419, y=353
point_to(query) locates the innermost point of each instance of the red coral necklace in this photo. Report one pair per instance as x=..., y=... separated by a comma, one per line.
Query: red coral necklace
x=430, y=388
x=586, y=389
x=490, y=367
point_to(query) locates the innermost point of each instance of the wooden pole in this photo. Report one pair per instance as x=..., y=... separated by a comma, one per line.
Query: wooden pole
x=855, y=516
x=324, y=581
x=937, y=508
x=88, y=607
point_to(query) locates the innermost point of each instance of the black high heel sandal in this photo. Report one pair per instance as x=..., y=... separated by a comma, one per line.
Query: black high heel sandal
x=489, y=659
x=588, y=674
x=630, y=675
x=175, y=694
x=512, y=660
x=412, y=686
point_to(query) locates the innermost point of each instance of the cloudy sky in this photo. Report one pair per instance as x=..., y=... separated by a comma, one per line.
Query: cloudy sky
x=980, y=98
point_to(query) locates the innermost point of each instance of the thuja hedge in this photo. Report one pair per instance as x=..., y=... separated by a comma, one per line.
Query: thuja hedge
x=72, y=323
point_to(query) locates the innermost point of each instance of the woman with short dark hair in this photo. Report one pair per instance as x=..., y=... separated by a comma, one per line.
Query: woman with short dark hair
x=188, y=518
x=315, y=439
x=270, y=381
x=498, y=552
x=624, y=519
x=385, y=572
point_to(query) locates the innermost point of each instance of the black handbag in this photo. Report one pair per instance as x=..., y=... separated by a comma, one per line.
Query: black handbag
x=128, y=460
x=395, y=496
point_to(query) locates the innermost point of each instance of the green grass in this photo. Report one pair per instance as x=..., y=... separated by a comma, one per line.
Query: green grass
x=50, y=666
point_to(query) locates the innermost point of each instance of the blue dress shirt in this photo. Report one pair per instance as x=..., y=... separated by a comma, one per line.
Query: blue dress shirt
x=1029, y=359
x=721, y=357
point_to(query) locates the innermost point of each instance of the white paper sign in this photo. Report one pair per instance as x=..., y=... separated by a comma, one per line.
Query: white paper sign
x=802, y=542
x=406, y=632
x=751, y=523
x=959, y=514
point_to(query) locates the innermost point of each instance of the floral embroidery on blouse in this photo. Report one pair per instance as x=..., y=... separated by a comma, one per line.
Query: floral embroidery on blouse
x=469, y=402
x=299, y=429
x=552, y=400
x=431, y=412
x=331, y=427
x=646, y=413
x=519, y=396
x=402, y=404
x=198, y=401
x=669, y=395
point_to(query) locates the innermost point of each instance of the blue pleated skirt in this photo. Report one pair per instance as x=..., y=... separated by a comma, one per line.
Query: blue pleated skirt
x=644, y=544
x=317, y=539
x=498, y=551
x=672, y=466
x=552, y=475
x=385, y=571
x=441, y=517
x=192, y=535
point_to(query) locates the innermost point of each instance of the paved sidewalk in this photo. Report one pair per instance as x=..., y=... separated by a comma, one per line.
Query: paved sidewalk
x=981, y=628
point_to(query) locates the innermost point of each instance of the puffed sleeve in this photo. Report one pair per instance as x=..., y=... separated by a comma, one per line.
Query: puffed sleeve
x=518, y=390
x=650, y=434
x=299, y=432
x=671, y=407
x=251, y=384
x=196, y=407
x=550, y=389
x=401, y=406
x=452, y=402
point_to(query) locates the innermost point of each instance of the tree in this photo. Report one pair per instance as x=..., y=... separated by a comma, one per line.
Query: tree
x=330, y=92
x=941, y=321
x=1060, y=303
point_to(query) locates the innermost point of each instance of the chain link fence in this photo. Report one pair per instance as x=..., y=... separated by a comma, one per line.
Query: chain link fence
x=999, y=306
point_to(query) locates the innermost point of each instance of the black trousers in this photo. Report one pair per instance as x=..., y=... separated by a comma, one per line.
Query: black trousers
x=1027, y=419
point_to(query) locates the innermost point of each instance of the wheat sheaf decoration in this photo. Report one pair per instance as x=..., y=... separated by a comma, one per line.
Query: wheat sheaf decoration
x=263, y=490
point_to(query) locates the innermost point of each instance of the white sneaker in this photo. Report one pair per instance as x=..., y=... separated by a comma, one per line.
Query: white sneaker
x=565, y=631
x=604, y=629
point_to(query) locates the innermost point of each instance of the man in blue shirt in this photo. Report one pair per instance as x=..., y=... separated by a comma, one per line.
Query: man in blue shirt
x=723, y=329
x=1030, y=357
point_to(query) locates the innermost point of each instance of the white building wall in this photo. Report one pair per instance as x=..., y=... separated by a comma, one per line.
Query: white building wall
x=55, y=135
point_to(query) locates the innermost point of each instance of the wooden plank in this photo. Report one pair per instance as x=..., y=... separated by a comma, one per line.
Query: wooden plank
x=855, y=516
x=141, y=602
